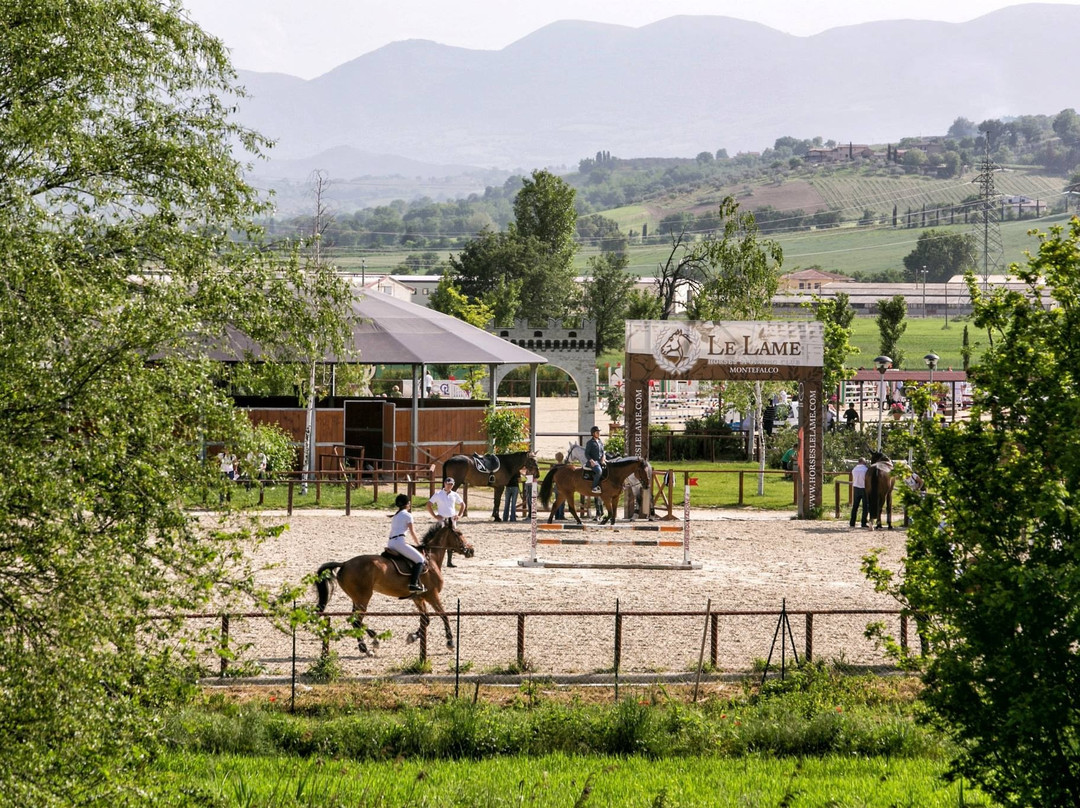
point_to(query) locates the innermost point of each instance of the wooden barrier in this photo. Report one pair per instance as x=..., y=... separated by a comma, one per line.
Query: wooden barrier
x=534, y=540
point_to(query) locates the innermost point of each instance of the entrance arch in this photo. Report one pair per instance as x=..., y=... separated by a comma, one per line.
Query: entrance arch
x=741, y=351
x=570, y=349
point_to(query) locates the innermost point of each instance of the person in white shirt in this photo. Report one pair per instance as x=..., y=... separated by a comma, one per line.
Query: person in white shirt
x=428, y=384
x=401, y=525
x=447, y=504
x=858, y=488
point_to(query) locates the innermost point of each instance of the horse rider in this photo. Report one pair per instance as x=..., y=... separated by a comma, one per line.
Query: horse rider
x=444, y=504
x=401, y=524
x=595, y=459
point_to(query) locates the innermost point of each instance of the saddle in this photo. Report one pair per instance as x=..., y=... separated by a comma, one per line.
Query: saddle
x=403, y=565
x=486, y=464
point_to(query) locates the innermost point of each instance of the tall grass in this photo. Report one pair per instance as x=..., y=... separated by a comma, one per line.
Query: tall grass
x=814, y=738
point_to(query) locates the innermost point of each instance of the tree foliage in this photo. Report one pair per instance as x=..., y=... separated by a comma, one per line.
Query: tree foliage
x=836, y=315
x=606, y=299
x=942, y=253
x=743, y=270
x=119, y=203
x=526, y=270
x=891, y=326
x=992, y=561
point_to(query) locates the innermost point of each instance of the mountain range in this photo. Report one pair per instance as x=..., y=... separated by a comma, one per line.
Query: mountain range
x=673, y=88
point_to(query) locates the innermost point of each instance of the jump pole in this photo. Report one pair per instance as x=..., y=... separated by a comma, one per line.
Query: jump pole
x=534, y=540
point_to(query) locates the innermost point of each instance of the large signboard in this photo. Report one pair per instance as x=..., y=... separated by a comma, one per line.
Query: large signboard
x=744, y=351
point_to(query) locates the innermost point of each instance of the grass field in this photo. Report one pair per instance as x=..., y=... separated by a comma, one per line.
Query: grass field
x=557, y=781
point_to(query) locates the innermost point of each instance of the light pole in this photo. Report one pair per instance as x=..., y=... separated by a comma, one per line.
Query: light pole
x=882, y=363
x=924, y=290
x=931, y=360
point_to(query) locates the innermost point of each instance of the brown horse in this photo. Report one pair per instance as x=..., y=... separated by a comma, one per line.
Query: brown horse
x=464, y=471
x=879, y=488
x=363, y=575
x=569, y=481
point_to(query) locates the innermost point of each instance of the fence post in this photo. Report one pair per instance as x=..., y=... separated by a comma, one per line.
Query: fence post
x=291, y=484
x=618, y=646
x=431, y=481
x=903, y=633
x=318, y=483
x=714, y=635
x=348, y=497
x=423, y=637
x=809, y=636
x=836, y=491
x=740, y=487
x=521, y=640
x=224, y=661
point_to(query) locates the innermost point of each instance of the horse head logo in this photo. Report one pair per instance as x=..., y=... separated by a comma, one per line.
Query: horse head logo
x=677, y=349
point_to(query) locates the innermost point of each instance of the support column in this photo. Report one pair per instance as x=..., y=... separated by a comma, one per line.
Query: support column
x=533, y=368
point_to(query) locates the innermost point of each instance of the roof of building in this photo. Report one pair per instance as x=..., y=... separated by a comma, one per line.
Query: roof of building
x=390, y=331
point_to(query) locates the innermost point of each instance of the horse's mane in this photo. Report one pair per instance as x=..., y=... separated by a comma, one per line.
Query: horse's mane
x=434, y=529
x=625, y=461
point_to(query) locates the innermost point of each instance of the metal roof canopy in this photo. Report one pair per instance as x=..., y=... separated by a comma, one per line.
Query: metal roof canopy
x=389, y=331
x=399, y=332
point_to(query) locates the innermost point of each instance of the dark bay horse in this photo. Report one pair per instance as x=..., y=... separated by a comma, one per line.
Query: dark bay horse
x=363, y=575
x=569, y=480
x=463, y=470
x=879, y=488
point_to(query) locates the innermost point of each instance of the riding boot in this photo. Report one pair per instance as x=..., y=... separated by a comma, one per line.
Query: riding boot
x=414, y=582
x=597, y=479
x=450, y=558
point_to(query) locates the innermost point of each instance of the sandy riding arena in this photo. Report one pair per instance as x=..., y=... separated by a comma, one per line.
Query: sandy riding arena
x=750, y=561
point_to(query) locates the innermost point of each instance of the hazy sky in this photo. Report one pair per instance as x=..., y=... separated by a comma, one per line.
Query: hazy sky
x=307, y=38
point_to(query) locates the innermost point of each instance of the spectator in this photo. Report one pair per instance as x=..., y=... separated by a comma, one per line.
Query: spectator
x=858, y=492
x=851, y=416
x=768, y=417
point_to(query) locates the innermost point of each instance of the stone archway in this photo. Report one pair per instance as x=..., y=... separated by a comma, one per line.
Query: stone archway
x=745, y=351
x=571, y=349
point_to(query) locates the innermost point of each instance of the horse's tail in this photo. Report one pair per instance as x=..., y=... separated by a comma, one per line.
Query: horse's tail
x=545, y=486
x=873, y=493
x=324, y=583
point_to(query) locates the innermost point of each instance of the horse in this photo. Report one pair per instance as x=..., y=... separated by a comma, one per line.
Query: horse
x=363, y=575
x=879, y=488
x=569, y=480
x=575, y=453
x=464, y=471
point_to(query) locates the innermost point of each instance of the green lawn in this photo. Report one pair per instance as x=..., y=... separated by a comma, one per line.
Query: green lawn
x=555, y=781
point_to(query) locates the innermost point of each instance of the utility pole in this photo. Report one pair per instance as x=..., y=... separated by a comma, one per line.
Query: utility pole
x=986, y=221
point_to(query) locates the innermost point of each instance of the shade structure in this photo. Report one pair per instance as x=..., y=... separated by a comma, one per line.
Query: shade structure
x=389, y=331
x=397, y=332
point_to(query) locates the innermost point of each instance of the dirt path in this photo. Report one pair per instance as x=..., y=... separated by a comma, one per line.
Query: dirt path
x=750, y=560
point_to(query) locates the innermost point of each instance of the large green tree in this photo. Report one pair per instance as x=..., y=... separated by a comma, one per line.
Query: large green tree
x=743, y=270
x=127, y=249
x=992, y=565
x=606, y=299
x=942, y=253
x=892, y=313
x=528, y=269
x=836, y=315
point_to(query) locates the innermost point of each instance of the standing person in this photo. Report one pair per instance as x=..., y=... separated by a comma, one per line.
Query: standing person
x=858, y=489
x=446, y=504
x=595, y=459
x=511, y=492
x=428, y=383
x=401, y=525
x=560, y=513
x=851, y=416
x=768, y=417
